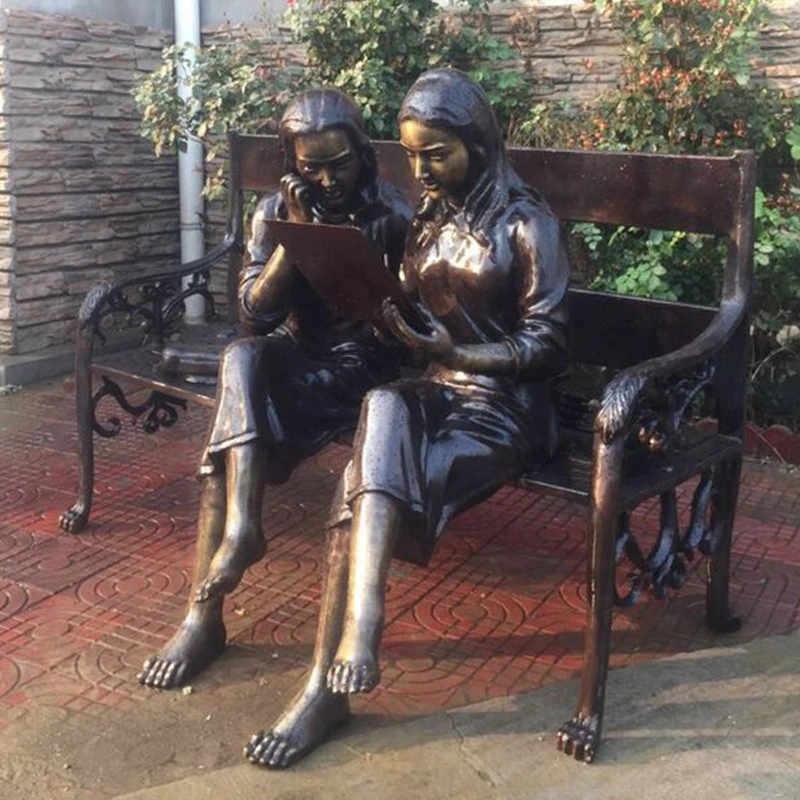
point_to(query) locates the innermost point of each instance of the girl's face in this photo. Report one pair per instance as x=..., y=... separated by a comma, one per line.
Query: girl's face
x=438, y=158
x=328, y=163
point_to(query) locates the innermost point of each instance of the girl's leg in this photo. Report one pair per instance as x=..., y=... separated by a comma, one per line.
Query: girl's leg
x=376, y=523
x=243, y=543
x=201, y=636
x=315, y=711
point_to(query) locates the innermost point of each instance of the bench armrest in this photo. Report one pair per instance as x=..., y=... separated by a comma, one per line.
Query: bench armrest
x=161, y=299
x=668, y=383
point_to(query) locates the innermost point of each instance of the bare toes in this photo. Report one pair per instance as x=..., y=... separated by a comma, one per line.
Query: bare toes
x=333, y=676
x=152, y=671
x=342, y=676
x=346, y=677
x=143, y=675
x=355, y=680
x=252, y=747
x=276, y=756
x=272, y=743
x=259, y=750
x=162, y=668
x=166, y=681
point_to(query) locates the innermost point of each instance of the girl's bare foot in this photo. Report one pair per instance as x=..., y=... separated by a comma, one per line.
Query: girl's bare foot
x=196, y=643
x=310, y=718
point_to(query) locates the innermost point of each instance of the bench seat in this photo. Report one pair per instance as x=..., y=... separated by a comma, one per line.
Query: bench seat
x=644, y=475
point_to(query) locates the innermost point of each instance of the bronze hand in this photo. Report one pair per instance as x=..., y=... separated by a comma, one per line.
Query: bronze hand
x=437, y=344
x=487, y=359
x=297, y=198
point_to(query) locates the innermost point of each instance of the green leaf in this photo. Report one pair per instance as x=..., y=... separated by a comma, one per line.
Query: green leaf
x=759, y=203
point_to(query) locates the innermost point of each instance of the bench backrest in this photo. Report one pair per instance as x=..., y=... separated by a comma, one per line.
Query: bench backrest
x=708, y=195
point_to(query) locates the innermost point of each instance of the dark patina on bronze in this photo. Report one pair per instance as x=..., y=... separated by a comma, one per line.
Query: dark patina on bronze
x=630, y=444
x=288, y=389
x=663, y=353
x=486, y=266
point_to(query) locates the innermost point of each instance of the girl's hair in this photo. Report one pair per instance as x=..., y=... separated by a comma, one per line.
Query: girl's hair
x=319, y=110
x=450, y=99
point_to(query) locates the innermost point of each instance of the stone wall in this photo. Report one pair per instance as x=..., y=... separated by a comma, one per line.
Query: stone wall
x=572, y=53
x=781, y=45
x=569, y=50
x=7, y=255
x=89, y=201
x=153, y=13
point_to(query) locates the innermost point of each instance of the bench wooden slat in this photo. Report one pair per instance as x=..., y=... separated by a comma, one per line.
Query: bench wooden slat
x=690, y=193
x=644, y=475
x=618, y=331
x=651, y=475
x=139, y=366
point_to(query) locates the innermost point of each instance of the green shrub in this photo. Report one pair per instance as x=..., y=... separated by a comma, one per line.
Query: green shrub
x=372, y=49
x=229, y=88
x=375, y=49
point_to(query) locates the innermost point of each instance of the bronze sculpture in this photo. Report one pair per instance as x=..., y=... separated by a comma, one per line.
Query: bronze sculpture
x=486, y=264
x=288, y=389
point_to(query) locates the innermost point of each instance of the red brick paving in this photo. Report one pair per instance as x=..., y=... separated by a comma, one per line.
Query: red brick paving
x=499, y=611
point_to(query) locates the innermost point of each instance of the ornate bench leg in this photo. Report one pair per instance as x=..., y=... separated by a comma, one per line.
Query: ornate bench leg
x=580, y=736
x=719, y=616
x=74, y=519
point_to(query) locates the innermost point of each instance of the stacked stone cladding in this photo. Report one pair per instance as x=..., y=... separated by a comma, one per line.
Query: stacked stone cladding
x=8, y=300
x=572, y=53
x=82, y=198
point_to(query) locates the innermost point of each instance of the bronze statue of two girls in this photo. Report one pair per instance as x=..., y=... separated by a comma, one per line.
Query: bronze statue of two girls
x=483, y=261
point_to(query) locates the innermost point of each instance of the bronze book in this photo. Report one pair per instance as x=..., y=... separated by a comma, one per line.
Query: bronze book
x=343, y=267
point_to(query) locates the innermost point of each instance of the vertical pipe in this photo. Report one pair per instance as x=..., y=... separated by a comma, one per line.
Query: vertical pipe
x=190, y=163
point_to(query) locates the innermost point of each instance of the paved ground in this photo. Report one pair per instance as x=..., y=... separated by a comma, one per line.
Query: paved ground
x=712, y=724
x=498, y=613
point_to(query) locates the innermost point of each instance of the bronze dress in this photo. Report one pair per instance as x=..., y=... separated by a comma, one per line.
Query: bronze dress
x=297, y=383
x=443, y=442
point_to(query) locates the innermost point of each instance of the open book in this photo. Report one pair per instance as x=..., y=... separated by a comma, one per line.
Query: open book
x=345, y=270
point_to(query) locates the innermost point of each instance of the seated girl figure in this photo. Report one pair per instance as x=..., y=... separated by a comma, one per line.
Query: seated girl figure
x=486, y=264
x=285, y=392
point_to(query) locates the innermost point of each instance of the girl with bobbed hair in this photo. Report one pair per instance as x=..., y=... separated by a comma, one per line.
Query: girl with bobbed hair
x=284, y=392
x=486, y=264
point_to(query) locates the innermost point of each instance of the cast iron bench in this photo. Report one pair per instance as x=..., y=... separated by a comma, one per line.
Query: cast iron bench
x=622, y=443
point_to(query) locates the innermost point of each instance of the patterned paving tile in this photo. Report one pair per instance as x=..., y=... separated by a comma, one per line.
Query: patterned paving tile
x=499, y=610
